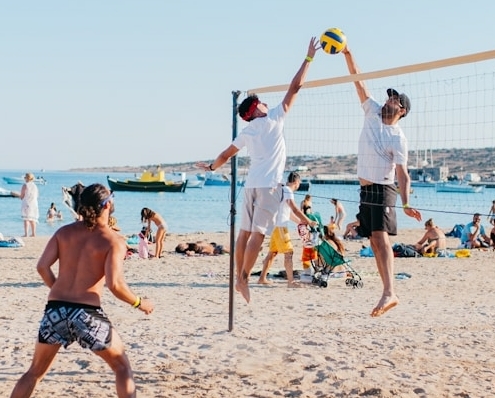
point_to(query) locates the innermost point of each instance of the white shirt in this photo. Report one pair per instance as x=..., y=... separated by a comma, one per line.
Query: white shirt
x=284, y=210
x=265, y=143
x=381, y=147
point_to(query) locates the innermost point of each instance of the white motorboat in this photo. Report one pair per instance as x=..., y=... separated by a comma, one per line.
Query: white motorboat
x=20, y=180
x=462, y=187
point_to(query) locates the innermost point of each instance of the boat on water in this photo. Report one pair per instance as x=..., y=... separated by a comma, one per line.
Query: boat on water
x=147, y=182
x=5, y=193
x=192, y=181
x=452, y=186
x=20, y=180
x=214, y=179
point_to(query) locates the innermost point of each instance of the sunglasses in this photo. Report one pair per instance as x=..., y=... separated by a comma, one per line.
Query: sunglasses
x=108, y=199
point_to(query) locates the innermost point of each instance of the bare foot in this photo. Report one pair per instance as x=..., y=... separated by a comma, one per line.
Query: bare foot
x=386, y=303
x=243, y=288
x=293, y=284
x=264, y=282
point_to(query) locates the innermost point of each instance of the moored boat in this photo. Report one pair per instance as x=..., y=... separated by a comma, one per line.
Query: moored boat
x=5, y=193
x=214, y=179
x=192, y=181
x=20, y=180
x=450, y=186
x=147, y=182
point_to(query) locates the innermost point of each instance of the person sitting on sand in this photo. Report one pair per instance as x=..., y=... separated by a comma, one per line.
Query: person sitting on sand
x=351, y=230
x=433, y=241
x=473, y=234
x=280, y=239
x=201, y=247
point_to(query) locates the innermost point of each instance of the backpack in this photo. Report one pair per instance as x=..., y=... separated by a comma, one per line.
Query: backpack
x=403, y=250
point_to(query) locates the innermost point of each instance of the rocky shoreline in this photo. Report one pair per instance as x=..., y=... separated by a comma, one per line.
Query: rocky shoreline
x=459, y=161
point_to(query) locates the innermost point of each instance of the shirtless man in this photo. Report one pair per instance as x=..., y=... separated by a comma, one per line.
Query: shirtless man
x=89, y=255
x=433, y=241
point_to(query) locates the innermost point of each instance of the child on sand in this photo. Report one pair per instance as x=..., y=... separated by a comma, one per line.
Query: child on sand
x=280, y=241
x=147, y=216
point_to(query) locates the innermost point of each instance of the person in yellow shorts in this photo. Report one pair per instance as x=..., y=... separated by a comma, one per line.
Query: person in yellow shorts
x=280, y=241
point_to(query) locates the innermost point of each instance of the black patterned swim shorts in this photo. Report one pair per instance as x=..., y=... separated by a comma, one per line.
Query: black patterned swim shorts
x=64, y=322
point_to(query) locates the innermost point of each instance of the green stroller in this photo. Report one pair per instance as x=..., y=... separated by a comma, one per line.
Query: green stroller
x=327, y=260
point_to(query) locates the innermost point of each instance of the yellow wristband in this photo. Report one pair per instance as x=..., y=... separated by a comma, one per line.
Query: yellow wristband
x=308, y=58
x=406, y=206
x=137, y=303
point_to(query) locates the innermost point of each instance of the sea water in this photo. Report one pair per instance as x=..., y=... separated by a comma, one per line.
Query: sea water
x=210, y=210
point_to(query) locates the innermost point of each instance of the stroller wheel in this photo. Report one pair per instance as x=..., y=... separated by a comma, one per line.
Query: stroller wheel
x=323, y=284
x=359, y=284
x=348, y=282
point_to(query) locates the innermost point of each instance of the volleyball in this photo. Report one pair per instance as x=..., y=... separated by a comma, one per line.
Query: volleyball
x=333, y=41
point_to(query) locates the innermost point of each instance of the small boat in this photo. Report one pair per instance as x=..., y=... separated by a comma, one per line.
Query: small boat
x=5, y=193
x=219, y=180
x=195, y=183
x=451, y=186
x=305, y=185
x=192, y=182
x=20, y=180
x=147, y=182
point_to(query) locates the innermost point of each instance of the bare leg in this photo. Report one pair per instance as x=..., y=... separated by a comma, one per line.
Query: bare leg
x=33, y=228
x=384, y=256
x=250, y=255
x=267, y=263
x=117, y=359
x=289, y=269
x=159, y=238
x=25, y=228
x=42, y=360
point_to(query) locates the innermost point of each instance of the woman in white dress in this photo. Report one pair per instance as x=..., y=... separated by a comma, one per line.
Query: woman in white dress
x=29, y=206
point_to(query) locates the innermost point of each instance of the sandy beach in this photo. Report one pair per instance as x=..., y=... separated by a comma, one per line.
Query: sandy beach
x=308, y=342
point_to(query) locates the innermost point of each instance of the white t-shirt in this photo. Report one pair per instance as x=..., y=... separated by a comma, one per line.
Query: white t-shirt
x=284, y=210
x=381, y=147
x=265, y=143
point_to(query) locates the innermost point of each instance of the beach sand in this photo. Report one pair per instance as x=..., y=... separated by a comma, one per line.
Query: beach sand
x=309, y=342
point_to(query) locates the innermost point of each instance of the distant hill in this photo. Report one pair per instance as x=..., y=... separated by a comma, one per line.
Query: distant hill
x=459, y=161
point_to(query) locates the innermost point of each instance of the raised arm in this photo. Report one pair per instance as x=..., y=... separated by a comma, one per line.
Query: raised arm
x=362, y=91
x=220, y=160
x=298, y=79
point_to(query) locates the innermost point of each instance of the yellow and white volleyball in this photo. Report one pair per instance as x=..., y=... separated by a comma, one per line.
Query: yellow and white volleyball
x=333, y=41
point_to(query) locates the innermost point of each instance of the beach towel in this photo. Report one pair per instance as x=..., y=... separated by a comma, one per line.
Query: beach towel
x=403, y=250
x=12, y=242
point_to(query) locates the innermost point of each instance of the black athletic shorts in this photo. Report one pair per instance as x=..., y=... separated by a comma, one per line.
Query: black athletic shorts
x=377, y=209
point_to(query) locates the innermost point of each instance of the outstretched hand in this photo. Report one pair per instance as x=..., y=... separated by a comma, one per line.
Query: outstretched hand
x=203, y=165
x=412, y=212
x=314, y=46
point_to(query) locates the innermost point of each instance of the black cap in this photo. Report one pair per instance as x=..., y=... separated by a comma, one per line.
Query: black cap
x=403, y=99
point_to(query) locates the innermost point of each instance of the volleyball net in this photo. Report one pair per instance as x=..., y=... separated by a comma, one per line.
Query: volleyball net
x=453, y=107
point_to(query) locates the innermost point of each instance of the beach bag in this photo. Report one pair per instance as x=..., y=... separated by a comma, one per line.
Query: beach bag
x=456, y=231
x=403, y=250
x=366, y=251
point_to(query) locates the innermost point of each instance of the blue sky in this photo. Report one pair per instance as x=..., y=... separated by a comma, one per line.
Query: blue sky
x=115, y=83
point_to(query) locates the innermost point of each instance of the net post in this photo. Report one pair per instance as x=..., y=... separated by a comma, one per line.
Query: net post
x=233, y=187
